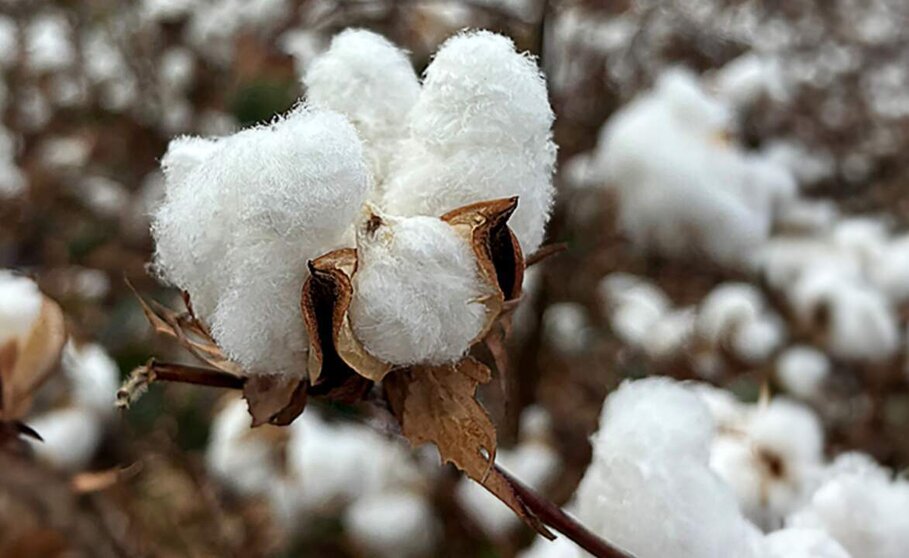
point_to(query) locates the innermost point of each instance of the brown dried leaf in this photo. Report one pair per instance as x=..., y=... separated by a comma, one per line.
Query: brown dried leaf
x=25, y=367
x=334, y=349
x=274, y=400
x=438, y=405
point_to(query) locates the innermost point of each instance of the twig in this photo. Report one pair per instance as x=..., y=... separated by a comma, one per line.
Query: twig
x=556, y=518
x=545, y=252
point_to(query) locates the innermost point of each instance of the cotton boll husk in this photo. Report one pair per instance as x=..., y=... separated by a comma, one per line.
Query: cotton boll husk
x=802, y=370
x=424, y=182
x=417, y=291
x=650, y=460
x=396, y=524
x=803, y=543
x=369, y=80
x=478, y=92
x=71, y=435
x=861, y=507
x=20, y=304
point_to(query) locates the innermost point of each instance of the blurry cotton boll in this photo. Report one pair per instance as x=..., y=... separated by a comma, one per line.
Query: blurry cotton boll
x=671, y=335
x=34, y=109
x=399, y=524
x=770, y=460
x=370, y=81
x=807, y=216
x=20, y=305
x=534, y=461
x=480, y=130
x=755, y=341
x=783, y=261
x=177, y=70
x=681, y=188
x=65, y=153
x=803, y=543
x=165, y=10
x=726, y=314
x=241, y=217
x=890, y=271
x=748, y=78
x=304, y=45
x=9, y=42
x=213, y=25
x=48, y=44
x=802, y=370
x=856, y=321
x=107, y=198
x=417, y=296
x=566, y=326
x=860, y=506
x=650, y=460
x=73, y=430
x=808, y=168
x=863, y=237
x=634, y=306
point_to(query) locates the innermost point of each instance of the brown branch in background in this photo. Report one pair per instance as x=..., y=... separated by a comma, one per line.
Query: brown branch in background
x=553, y=516
x=544, y=253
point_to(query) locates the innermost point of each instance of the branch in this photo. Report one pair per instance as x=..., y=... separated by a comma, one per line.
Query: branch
x=555, y=517
x=545, y=252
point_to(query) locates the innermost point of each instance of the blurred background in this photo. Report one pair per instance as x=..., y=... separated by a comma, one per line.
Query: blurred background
x=805, y=102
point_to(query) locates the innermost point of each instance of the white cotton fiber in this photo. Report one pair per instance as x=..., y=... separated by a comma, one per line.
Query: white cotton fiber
x=48, y=44
x=369, y=80
x=566, y=326
x=418, y=297
x=860, y=506
x=802, y=370
x=727, y=307
x=93, y=375
x=241, y=217
x=481, y=130
x=650, y=461
x=70, y=434
x=20, y=304
x=393, y=524
x=9, y=42
x=803, y=543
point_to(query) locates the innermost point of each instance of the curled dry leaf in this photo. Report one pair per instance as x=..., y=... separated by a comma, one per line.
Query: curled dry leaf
x=437, y=404
x=25, y=365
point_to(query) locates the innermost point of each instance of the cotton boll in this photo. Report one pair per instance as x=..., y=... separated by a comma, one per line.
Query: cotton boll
x=864, y=237
x=392, y=525
x=808, y=167
x=802, y=370
x=635, y=308
x=20, y=304
x=803, y=543
x=479, y=92
x=726, y=307
x=176, y=71
x=48, y=45
x=368, y=79
x=861, y=507
x=9, y=41
x=784, y=260
x=481, y=130
x=807, y=216
x=71, y=435
x=890, y=272
x=94, y=377
x=650, y=461
x=566, y=325
x=746, y=79
x=755, y=341
x=12, y=180
x=418, y=297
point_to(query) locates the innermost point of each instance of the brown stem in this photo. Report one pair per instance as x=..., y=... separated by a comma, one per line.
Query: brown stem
x=544, y=253
x=182, y=373
x=555, y=517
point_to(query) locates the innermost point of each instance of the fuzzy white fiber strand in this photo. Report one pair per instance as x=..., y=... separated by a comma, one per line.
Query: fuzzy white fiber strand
x=417, y=291
x=371, y=81
x=862, y=507
x=241, y=217
x=682, y=188
x=651, y=461
x=480, y=130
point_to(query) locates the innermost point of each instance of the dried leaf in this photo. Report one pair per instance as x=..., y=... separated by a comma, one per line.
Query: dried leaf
x=438, y=405
x=24, y=368
x=274, y=400
x=325, y=301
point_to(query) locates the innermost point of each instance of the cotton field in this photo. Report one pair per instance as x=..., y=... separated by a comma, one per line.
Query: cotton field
x=441, y=278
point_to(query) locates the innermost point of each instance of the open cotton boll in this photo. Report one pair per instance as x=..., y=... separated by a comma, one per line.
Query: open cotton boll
x=748, y=78
x=478, y=91
x=71, y=435
x=418, y=297
x=860, y=506
x=727, y=307
x=803, y=543
x=756, y=340
x=48, y=44
x=729, y=414
x=94, y=377
x=20, y=304
x=670, y=335
x=650, y=461
x=635, y=306
x=396, y=524
x=371, y=81
x=243, y=215
x=802, y=370
x=859, y=323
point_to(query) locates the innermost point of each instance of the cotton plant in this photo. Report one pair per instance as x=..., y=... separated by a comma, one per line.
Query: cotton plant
x=349, y=243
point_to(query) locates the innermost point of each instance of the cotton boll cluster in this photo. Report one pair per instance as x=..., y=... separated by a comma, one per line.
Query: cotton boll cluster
x=371, y=81
x=861, y=506
x=316, y=468
x=480, y=130
x=241, y=217
x=533, y=460
x=690, y=191
x=418, y=297
x=650, y=460
x=78, y=408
